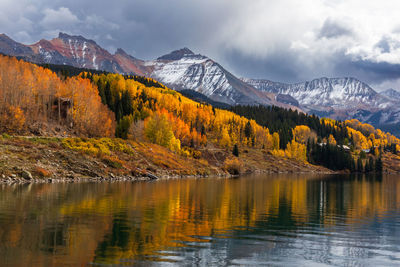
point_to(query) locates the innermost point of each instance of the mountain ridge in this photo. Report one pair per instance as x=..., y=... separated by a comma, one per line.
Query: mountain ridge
x=182, y=69
x=338, y=98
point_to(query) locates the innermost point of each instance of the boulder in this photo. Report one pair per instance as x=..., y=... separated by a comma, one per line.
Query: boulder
x=26, y=175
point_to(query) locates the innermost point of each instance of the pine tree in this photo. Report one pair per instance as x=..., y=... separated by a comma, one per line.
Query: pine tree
x=371, y=164
x=248, y=130
x=353, y=165
x=379, y=165
x=360, y=165
x=235, y=151
x=108, y=96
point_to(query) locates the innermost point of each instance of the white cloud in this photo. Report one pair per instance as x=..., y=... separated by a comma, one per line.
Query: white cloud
x=394, y=84
x=58, y=18
x=262, y=27
x=97, y=21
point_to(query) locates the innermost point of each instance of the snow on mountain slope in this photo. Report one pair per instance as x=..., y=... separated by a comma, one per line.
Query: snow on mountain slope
x=392, y=94
x=182, y=69
x=76, y=51
x=338, y=98
x=327, y=92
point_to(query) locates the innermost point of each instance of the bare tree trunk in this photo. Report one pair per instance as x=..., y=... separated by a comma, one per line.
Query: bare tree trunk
x=59, y=109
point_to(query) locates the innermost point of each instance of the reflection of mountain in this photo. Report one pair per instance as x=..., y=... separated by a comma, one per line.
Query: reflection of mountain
x=207, y=221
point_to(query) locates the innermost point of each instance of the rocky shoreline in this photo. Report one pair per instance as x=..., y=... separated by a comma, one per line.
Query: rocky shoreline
x=46, y=160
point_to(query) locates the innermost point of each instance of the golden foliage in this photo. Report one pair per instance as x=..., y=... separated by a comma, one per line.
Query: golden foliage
x=303, y=133
x=101, y=146
x=233, y=166
x=331, y=140
x=296, y=150
x=28, y=93
x=12, y=119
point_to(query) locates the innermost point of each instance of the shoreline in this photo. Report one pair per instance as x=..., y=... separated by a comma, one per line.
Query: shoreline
x=111, y=179
x=28, y=160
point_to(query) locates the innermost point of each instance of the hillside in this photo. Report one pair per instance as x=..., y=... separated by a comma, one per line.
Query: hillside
x=337, y=98
x=160, y=131
x=180, y=70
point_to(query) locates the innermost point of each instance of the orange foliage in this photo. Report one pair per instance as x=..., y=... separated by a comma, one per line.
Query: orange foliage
x=28, y=93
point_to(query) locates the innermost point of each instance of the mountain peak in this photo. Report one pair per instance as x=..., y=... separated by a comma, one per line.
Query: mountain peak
x=177, y=54
x=391, y=90
x=391, y=93
x=3, y=35
x=121, y=52
x=65, y=37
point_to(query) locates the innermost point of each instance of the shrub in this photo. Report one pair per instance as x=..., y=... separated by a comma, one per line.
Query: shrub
x=39, y=171
x=278, y=153
x=99, y=147
x=113, y=162
x=233, y=166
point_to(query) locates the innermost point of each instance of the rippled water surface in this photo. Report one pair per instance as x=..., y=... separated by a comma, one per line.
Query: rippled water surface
x=298, y=220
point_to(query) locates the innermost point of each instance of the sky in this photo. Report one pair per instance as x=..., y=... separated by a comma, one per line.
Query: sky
x=286, y=40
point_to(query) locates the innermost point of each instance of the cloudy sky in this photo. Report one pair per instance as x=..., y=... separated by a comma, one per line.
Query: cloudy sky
x=285, y=40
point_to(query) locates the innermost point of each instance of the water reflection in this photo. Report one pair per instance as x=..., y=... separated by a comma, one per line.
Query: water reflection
x=283, y=220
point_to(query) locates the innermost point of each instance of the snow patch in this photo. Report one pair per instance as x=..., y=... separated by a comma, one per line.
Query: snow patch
x=94, y=62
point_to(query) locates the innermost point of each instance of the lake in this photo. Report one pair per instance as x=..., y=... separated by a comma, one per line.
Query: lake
x=278, y=220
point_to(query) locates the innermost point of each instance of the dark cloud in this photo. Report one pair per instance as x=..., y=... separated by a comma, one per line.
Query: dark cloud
x=383, y=45
x=333, y=29
x=280, y=66
x=250, y=39
x=368, y=71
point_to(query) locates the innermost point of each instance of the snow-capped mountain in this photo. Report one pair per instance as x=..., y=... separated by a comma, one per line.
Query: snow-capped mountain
x=326, y=92
x=75, y=51
x=183, y=69
x=180, y=69
x=392, y=94
x=339, y=98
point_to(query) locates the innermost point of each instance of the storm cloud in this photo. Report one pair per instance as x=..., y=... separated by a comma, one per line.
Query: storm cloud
x=287, y=41
x=333, y=29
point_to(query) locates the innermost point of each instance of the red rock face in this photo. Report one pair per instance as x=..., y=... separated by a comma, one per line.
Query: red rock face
x=76, y=51
x=130, y=64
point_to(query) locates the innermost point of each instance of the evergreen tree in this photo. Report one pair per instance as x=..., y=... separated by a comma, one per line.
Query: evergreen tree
x=371, y=164
x=248, y=130
x=360, y=165
x=379, y=165
x=235, y=151
x=367, y=166
x=353, y=165
x=123, y=126
x=108, y=96
x=126, y=102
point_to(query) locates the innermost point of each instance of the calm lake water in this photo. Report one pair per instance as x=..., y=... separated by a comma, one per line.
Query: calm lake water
x=298, y=220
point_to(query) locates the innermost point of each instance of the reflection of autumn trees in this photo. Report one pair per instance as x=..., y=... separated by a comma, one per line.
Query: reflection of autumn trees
x=108, y=222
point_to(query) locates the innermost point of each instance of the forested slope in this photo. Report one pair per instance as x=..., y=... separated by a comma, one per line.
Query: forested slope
x=35, y=100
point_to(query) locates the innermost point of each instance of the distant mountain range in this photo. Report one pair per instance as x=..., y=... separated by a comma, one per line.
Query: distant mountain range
x=339, y=98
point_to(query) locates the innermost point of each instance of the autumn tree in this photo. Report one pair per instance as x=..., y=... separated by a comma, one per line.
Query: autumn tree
x=159, y=131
